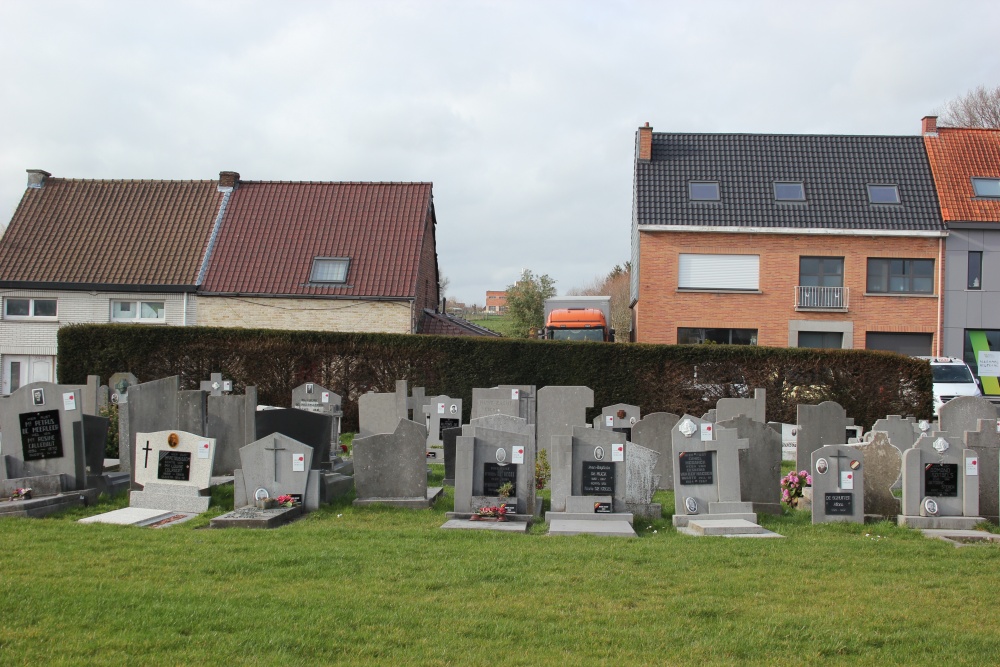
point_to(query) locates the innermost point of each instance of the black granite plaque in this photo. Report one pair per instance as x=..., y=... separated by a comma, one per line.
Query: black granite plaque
x=941, y=480
x=175, y=466
x=447, y=423
x=598, y=479
x=496, y=475
x=41, y=436
x=602, y=508
x=696, y=468
x=839, y=503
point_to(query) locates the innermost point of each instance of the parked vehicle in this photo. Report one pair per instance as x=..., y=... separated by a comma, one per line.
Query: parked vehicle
x=579, y=318
x=952, y=378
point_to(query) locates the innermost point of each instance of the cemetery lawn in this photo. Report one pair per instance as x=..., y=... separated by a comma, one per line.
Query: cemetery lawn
x=386, y=586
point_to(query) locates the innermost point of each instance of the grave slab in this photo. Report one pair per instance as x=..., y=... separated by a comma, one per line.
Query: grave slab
x=617, y=528
x=129, y=516
x=725, y=528
x=499, y=526
x=253, y=517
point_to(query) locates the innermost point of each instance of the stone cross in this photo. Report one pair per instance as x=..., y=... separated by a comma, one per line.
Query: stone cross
x=216, y=386
x=274, y=463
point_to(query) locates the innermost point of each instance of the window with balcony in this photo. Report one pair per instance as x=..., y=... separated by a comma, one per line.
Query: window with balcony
x=821, y=283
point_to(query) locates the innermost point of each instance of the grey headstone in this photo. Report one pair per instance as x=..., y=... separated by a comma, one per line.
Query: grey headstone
x=487, y=448
x=378, y=414
x=174, y=469
x=640, y=474
x=883, y=461
x=231, y=422
x=152, y=407
x=312, y=397
x=707, y=473
x=760, y=463
x=516, y=425
x=441, y=413
x=416, y=403
x=902, y=431
x=309, y=428
x=985, y=441
x=402, y=401
x=392, y=465
x=523, y=395
x=620, y=417
x=95, y=438
x=118, y=385
x=755, y=408
x=560, y=409
x=653, y=432
x=946, y=450
x=838, y=473
x=450, y=434
x=278, y=464
x=569, y=454
x=819, y=425
x=963, y=413
x=216, y=385
x=43, y=433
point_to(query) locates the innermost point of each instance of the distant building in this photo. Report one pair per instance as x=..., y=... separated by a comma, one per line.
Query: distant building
x=496, y=302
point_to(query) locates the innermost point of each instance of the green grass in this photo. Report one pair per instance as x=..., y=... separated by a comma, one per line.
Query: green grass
x=502, y=324
x=386, y=586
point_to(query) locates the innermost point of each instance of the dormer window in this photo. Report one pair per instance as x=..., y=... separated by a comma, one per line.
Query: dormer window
x=883, y=194
x=329, y=270
x=703, y=191
x=986, y=187
x=789, y=191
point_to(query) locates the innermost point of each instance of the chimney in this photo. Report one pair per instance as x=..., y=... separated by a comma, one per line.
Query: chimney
x=928, y=126
x=36, y=177
x=228, y=180
x=645, y=151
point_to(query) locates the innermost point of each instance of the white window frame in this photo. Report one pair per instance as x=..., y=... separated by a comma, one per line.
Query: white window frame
x=318, y=262
x=738, y=273
x=31, y=309
x=139, y=319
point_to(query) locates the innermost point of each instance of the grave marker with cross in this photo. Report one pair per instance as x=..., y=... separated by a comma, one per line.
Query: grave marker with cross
x=216, y=386
x=838, y=484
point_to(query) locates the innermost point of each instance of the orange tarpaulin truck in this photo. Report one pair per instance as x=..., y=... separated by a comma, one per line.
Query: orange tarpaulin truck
x=579, y=318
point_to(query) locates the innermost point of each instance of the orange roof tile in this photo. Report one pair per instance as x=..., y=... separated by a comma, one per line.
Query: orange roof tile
x=957, y=155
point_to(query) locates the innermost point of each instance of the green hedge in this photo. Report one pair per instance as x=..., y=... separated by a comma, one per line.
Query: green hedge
x=658, y=378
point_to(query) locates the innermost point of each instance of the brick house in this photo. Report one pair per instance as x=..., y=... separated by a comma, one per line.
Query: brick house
x=319, y=256
x=785, y=241
x=496, y=302
x=966, y=167
x=324, y=257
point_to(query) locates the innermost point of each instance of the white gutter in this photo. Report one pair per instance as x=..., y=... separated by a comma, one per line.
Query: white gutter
x=940, y=295
x=791, y=230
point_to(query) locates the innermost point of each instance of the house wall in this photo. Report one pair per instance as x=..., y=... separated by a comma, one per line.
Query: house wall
x=661, y=308
x=427, y=277
x=39, y=337
x=346, y=315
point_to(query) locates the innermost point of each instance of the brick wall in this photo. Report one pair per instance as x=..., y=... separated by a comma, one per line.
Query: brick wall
x=305, y=314
x=427, y=276
x=661, y=309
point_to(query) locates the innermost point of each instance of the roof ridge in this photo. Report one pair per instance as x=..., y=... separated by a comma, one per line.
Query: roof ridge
x=779, y=134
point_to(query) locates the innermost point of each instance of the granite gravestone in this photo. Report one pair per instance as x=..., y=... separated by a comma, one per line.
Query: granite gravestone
x=309, y=428
x=818, y=425
x=174, y=469
x=755, y=408
x=940, y=484
x=119, y=384
x=160, y=405
x=963, y=413
x=883, y=461
x=653, y=432
x=641, y=481
x=485, y=460
x=449, y=436
x=838, y=484
x=707, y=473
x=760, y=463
x=230, y=422
x=442, y=412
x=513, y=400
x=619, y=417
x=391, y=468
x=588, y=473
x=380, y=413
x=516, y=425
x=279, y=465
x=560, y=409
x=985, y=442
x=312, y=397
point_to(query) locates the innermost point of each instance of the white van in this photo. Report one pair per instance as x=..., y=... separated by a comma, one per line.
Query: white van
x=952, y=378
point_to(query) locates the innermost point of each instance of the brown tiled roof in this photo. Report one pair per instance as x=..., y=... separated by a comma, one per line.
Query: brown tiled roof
x=99, y=232
x=956, y=156
x=272, y=231
x=449, y=325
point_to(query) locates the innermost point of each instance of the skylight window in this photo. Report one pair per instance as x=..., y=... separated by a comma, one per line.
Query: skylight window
x=789, y=191
x=986, y=187
x=703, y=191
x=329, y=270
x=883, y=194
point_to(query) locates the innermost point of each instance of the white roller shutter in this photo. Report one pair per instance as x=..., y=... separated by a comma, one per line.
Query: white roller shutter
x=740, y=272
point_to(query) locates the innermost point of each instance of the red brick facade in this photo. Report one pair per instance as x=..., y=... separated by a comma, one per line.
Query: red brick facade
x=661, y=308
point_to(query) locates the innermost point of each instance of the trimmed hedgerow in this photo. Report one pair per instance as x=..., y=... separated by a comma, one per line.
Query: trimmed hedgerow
x=658, y=378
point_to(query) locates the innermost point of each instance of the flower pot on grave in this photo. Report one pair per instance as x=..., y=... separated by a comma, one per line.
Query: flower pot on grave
x=267, y=503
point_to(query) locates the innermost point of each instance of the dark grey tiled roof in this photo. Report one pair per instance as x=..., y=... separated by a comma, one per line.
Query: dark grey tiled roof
x=834, y=170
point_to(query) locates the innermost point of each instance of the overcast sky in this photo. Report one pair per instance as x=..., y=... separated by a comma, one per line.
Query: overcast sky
x=522, y=114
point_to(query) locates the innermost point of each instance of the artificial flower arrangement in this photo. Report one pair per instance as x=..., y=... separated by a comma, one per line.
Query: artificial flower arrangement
x=285, y=501
x=491, y=512
x=21, y=494
x=792, y=485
